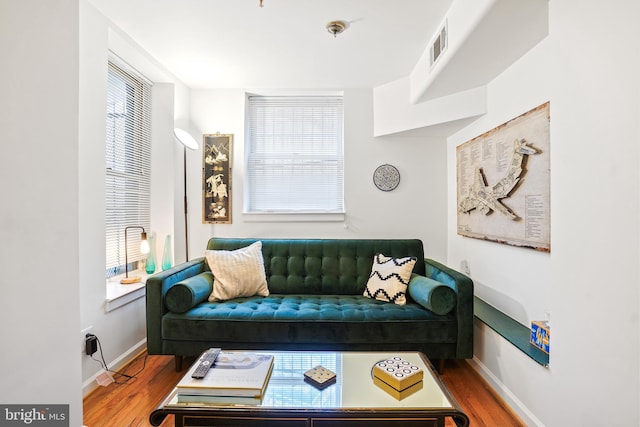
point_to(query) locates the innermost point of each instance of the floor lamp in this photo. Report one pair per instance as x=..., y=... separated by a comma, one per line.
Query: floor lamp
x=188, y=142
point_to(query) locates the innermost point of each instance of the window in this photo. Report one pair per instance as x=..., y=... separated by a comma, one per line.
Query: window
x=295, y=155
x=128, y=162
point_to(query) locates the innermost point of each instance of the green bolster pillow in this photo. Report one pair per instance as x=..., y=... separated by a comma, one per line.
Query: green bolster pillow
x=190, y=292
x=432, y=295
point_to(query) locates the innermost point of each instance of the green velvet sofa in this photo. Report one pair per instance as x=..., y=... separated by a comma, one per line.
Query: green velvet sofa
x=315, y=302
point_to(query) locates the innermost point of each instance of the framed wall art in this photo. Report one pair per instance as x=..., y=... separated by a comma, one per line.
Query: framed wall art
x=503, y=183
x=216, y=178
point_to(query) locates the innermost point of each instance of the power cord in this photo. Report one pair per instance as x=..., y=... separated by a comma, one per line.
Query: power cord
x=103, y=363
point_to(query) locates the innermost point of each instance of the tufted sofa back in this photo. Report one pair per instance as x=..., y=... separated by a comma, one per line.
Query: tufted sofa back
x=323, y=266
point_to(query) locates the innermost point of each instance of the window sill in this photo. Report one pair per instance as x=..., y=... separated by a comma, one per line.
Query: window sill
x=293, y=217
x=119, y=295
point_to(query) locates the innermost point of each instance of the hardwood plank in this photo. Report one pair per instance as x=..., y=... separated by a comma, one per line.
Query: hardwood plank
x=130, y=403
x=477, y=399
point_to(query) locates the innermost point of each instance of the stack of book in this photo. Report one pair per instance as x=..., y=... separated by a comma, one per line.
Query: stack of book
x=398, y=377
x=238, y=378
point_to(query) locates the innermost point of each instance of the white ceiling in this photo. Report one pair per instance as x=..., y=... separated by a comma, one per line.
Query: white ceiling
x=237, y=44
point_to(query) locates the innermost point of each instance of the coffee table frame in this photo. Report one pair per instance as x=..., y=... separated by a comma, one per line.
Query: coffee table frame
x=253, y=416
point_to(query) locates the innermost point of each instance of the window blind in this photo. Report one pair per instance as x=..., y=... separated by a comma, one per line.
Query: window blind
x=295, y=158
x=128, y=162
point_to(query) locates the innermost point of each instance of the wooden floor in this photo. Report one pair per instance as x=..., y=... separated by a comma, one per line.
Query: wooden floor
x=130, y=403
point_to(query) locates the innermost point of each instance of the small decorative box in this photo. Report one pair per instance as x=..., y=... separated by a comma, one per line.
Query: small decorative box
x=540, y=334
x=397, y=376
x=320, y=377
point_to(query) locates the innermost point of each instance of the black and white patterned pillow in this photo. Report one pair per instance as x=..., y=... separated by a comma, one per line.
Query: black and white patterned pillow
x=389, y=278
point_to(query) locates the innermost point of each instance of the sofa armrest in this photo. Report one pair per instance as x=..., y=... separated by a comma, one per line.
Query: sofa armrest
x=463, y=286
x=156, y=288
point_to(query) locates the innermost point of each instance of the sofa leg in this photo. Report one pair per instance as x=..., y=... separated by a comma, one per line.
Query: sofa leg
x=178, y=360
x=441, y=363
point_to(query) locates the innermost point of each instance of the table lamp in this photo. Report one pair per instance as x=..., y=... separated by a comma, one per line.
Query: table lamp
x=144, y=248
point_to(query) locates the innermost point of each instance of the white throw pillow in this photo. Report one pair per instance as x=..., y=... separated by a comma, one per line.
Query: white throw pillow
x=389, y=278
x=238, y=273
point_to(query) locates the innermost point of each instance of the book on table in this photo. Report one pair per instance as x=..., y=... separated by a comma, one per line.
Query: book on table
x=202, y=400
x=234, y=374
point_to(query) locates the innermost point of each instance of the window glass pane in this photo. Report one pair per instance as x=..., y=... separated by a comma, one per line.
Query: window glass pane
x=128, y=161
x=295, y=154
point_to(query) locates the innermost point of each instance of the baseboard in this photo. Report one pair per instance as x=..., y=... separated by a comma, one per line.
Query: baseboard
x=505, y=394
x=89, y=385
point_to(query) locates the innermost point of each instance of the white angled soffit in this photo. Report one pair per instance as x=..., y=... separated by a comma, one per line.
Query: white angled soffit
x=484, y=37
x=393, y=113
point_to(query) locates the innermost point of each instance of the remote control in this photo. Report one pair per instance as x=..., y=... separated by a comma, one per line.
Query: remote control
x=206, y=362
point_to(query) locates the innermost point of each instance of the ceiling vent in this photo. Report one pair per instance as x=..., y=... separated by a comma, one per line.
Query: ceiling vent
x=439, y=45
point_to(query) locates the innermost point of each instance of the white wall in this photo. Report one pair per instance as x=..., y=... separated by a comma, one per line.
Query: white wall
x=40, y=305
x=122, y=332
x=413, y=210
x=588, y=68
x=497, y=270
x=596, y=89
x=393, y=111
x=166, y=193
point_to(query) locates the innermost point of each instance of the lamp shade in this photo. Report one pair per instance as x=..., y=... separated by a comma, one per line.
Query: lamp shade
x=185, y=139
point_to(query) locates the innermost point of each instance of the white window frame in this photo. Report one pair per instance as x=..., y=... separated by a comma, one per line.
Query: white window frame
x=279, y=132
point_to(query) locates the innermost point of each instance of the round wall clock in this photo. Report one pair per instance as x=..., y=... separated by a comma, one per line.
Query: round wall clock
x=386, y=177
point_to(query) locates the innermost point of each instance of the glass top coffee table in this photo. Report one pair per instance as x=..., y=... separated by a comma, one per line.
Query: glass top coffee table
x=353, y=400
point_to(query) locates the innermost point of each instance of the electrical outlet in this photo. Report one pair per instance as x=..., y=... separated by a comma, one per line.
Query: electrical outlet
x=83, y=338
x=464, y=266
